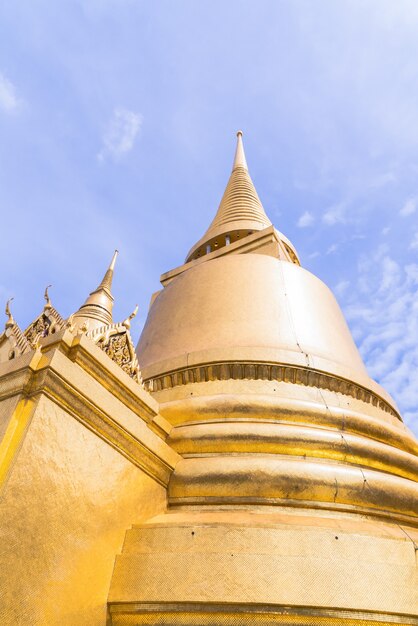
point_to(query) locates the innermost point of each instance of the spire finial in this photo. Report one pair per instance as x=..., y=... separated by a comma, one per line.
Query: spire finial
x=46, y=296
x=127, y=322
x=108, y=277
x=113, y=261
x=240, y=160
x=10, y=321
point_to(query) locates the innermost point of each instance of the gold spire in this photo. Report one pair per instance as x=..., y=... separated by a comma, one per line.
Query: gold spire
x=97, y=309
x=240, y=212
x=108, y=277
x=240, y=160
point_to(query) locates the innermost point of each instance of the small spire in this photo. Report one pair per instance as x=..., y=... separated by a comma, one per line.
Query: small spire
x=240, y=160
x=11, y=321
x=46, y=296
x=108, y=277
x=97, y=309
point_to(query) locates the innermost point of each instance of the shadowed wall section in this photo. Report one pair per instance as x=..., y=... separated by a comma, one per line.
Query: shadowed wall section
x=71, y=484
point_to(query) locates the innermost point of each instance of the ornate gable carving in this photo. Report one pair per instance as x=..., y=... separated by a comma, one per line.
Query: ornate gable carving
x=47, y=323
x=115, y=340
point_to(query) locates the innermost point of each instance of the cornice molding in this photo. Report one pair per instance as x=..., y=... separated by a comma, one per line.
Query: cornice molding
x=277, y=372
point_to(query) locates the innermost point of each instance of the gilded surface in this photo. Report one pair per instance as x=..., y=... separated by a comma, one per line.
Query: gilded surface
x=116, y=342
x=117, y=349
x=275, y=564
x=64, y=512
x=265, y=371
x=97, y=309
x=47, y=323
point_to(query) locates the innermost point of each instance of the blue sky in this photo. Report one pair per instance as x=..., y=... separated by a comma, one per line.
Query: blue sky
x=117, y=130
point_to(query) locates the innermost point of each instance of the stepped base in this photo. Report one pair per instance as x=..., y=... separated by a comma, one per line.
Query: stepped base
x=235, y=567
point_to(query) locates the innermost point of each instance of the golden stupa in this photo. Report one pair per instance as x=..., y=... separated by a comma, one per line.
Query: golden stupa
x=240, y=468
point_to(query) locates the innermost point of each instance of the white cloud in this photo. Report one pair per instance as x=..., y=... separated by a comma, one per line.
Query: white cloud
x=120, y=135
x=409, y=207
x=383, y=315
x=333, y=248
x=412, y=272
x=9, y=101
x=414, y=243
x=390, y=273
x=342, y=287
x=385, y=230
x=335, y=215
x=306, y=219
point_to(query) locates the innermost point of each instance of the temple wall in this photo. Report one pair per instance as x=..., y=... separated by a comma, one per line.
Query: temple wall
x=67, y=502
x=7, y=407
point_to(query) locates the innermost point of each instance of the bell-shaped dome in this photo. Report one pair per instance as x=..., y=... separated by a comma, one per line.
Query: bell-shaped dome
x=241, y=299
x=270, y=310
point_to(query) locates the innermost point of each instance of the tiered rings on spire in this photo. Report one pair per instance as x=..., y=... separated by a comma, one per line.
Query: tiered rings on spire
x=240, y=212
x=97, y=309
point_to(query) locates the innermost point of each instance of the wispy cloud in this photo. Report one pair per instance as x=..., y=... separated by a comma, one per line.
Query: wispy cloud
x=333, y=248
x=412, y=273
x=335, y=215
x=9, y=101
x=409, y=207
x=342, y=287
x=414, y=243
x=390, y=274
x=120, y=135
x=306, y=219
x=383, y=314
x=383, y=179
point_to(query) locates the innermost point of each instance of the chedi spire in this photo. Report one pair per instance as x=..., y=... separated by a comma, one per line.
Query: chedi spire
x=240, y=212
x=97, y=309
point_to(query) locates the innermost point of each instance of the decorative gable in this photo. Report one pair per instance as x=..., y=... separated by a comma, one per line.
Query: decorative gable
x=47, y=323
x=116, y=341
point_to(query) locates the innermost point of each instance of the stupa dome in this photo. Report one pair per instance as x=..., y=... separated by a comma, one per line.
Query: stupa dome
x=250, y=308
x=296, y=498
